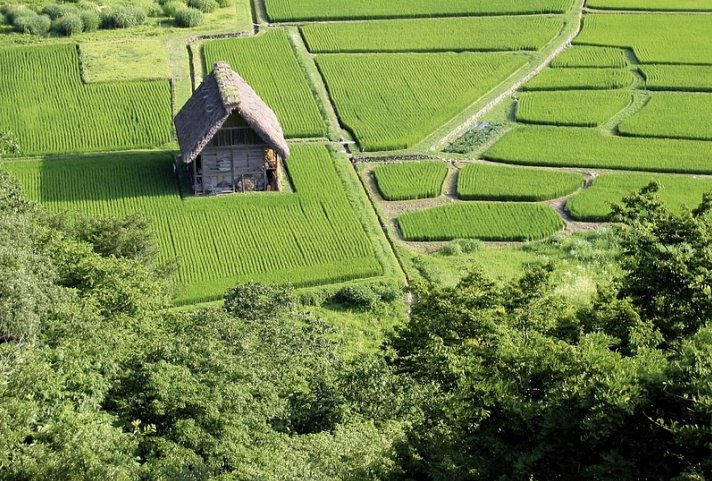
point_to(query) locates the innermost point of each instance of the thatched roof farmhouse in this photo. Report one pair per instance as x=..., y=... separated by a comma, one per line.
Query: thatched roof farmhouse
x=230, y=140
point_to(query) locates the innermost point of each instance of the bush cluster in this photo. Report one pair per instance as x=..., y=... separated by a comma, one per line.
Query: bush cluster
x=59, y=19
x=187, y=17
x=367, y=296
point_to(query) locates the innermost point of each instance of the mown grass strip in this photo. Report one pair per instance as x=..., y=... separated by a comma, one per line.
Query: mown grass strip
x=270, y=66
x=490, y=221
x=433, y=35
x=581, y=79
x=411, y=180
x=504, y=183
x=578, y=108
x=582, y=147
x=677, y=191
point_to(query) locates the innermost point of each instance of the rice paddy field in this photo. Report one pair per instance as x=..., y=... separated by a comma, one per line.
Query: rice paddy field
x=505, y=183
x=660, y=5
x=392, y=101
x=580, y=79
x=268, y=63
x=692, y=78
x=676, y=191
x=307, y=238
x=411, y=180
x=584, y=56
x=298, y=10
x=678, y=115
x=432, y=35
x=490, y=221
x=44, y=102
x=578, y=108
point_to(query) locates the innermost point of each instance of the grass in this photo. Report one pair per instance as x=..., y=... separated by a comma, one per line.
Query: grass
x=45, y=104
x=433, y=35
x=677, y=191
x=655, y=38
x=589, y=148
x=489, y=221
x=581, y=79
x=297, y=10
x=693, y=78
x=583, y=56
x=412, y=180
x=504, y=183
x=672, y=115
x=124, y=60
x=657, y=5
x=392, y=101
x=582, y=108
x=268, y=63
x=309, y=238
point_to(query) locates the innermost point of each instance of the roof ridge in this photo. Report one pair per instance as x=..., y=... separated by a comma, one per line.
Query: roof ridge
x=226, y=79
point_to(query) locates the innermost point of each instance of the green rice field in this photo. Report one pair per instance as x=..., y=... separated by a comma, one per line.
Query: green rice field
x=582, y=108
x=410, y=180
x=659, y=5
x=589, y=148
x=293, y=10
x=392, y=101
x=584, y=56
x=219, y=241
x=655, y=38
x=505, y=183
x=270, y=66
x=490, y=221
x=433, y=35
x=581, y=79
x=677, y=191
x=672, y=115
x=44, y=102
x=693, y=78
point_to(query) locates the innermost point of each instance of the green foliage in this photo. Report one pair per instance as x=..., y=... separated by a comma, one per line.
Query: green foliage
x=172, y=7
x=581, y=79
x=122, y=16
x=491, y=182
x=293, y=10
x=482, y=133
x=68, y=25
x=432, y=35
x=9, y=144
x=578, y=108
x=91, y=21
x=186, y=17
x=77, y=117
x=205, y=6
x=694, y=78
x=308, y=238
x=283, y=85
x=659, y=5
x=254, y=301
x=585, y=56
x=672, y=115
x=392, y=101
x=676, y=192
x=580, y=147
x=655, y=38
x=28, y=21
x=490, y=221
x=367, y=296
x=411, y=180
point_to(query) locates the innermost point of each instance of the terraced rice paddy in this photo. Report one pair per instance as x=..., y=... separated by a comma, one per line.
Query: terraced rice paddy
x=655, y=38
x=672, y=115
x=582, y=108
x=677, y=191
x=292, y=10
x=584, y=56
x=582, y=147
x=283, y=85
x=433, y=35
x=581, y=79
x=392, y=101
x=45, y=104
x=491, y=221
x=660, y=5
x=504, y=183
x=693, y=78
x=311, y=237
x=411, y=180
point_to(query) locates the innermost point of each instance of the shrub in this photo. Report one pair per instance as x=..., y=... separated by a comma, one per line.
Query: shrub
x=12, y=11
x=188, y=17
x=172, y=7
x=154, y=10
x=122, y=16
x=254, y=301
x=52, y=10
x=224, y=3
x=68, y=25
x=90, y=20
x=205, y=6
x=32, y=23
x=366, y=296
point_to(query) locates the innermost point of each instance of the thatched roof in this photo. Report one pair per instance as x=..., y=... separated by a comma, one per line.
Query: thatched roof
x=222, y=93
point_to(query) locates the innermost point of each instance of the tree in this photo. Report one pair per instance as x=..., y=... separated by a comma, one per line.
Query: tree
x=8, y=144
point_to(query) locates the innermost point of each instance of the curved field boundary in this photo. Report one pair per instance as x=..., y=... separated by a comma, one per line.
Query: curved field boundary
x=575, y=24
